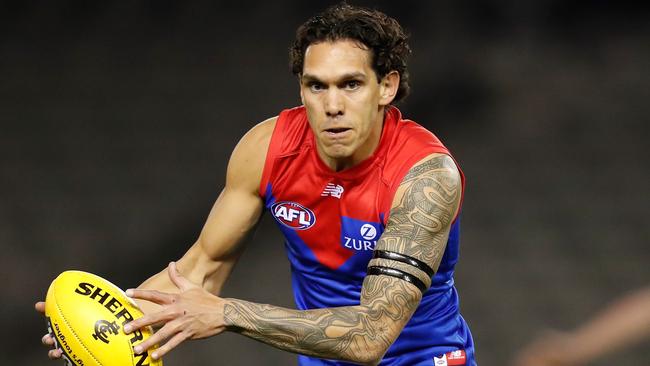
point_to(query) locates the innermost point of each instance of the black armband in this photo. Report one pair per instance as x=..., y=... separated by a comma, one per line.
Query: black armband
x=405, y=259
x=376, y=270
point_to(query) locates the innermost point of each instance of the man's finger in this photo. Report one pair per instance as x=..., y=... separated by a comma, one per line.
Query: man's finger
x=55, y=354
x=160, y=298
x=149, y=319
x=40, y=306
x=156, y=338
x=48, y=340
x=177, y=278
x=171, y=344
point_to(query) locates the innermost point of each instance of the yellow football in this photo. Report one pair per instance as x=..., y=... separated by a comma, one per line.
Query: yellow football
x=86, y=314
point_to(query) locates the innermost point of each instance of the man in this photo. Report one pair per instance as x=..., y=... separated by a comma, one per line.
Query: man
x=368, y=203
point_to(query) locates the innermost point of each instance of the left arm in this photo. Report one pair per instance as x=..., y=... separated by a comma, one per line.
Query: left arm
x=423, y=209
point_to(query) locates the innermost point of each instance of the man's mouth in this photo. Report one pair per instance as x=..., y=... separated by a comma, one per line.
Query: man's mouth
x=336, y=131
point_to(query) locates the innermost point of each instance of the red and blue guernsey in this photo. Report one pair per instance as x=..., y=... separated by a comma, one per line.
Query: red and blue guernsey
x=332, y=221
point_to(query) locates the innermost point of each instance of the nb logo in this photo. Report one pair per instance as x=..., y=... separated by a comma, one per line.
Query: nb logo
x=103, y=329
x=334, y=190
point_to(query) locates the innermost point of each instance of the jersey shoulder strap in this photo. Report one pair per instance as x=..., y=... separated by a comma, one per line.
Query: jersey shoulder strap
x=289, y=137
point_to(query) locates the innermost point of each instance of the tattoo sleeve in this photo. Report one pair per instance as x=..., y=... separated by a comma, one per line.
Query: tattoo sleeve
x=419, y=224
x=418, y=227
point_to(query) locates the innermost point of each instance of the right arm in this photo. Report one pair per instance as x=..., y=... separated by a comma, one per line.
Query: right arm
x=210, y=260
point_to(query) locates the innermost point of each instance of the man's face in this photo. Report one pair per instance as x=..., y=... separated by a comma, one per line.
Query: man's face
x=344, y=101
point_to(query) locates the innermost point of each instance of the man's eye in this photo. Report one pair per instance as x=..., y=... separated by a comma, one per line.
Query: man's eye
x=352, y=84
x=316, y=87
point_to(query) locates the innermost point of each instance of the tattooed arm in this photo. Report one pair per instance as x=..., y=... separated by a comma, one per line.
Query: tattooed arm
x=422, y=211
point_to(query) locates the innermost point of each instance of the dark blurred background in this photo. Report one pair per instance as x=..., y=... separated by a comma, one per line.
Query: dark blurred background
x=117, y=119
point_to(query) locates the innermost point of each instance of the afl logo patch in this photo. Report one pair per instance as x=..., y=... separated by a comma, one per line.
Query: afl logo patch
x=293, y=215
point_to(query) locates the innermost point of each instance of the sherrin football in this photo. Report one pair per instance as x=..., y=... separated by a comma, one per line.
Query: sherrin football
x=86, y=314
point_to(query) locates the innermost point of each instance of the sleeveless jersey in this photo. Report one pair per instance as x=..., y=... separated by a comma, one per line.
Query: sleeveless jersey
x=331, y=222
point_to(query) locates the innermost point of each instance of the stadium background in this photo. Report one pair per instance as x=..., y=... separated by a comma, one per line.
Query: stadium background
x=118, y=117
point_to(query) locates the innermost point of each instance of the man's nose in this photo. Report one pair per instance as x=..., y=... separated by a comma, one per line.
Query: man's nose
x=333, y=103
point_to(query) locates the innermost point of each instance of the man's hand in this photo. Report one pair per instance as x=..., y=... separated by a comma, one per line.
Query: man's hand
x=47, y=339
x=193, y=313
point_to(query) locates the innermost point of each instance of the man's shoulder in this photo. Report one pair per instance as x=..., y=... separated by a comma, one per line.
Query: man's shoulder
x=417, y=133
x=261, y=133
x=413, y=140
x=259, y=139
x=411, y=144
x=409, y=133
x=247, y=160
x=288, y=119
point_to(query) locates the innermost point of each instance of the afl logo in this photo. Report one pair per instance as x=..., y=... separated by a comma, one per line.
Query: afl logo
x=293, y=215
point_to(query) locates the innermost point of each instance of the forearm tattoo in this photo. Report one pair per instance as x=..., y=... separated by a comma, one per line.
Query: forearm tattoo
x=417, y=228
x=352, y=333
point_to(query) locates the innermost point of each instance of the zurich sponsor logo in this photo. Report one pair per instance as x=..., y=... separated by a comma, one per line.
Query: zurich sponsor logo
x=368, y=232
x=360, y=235
x=293, y=215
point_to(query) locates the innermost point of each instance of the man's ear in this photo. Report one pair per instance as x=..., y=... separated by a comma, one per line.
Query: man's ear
x=388, y=88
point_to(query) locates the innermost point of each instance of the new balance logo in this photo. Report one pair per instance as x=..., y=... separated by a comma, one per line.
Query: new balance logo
x=333, y=190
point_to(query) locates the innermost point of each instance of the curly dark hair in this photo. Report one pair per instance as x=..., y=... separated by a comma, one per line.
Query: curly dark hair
x=381, y=34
